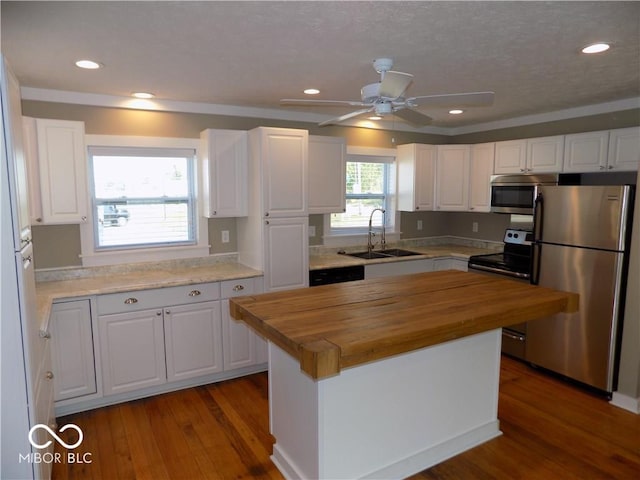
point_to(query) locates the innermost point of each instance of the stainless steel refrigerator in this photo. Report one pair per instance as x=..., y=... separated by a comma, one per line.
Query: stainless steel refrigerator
x=580, y=242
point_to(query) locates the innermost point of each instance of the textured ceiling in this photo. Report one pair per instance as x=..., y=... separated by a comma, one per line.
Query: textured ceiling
x=255, y=53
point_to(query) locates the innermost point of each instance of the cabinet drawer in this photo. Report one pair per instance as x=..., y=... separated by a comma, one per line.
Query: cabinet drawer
x=157, y=297
x=236, y=288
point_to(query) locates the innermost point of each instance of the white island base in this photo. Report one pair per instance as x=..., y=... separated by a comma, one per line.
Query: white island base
x=385, y=419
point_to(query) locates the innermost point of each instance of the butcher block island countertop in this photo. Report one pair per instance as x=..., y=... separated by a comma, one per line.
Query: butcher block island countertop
x=333, y=327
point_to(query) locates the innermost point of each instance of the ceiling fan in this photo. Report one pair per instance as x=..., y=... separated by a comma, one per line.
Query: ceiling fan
x=388, y=97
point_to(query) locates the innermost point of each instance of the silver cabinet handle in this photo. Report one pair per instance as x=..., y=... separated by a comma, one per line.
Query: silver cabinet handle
x=53, y=426
x=266, y=214
x=168, y=312
x=130, y=301
x=49, y=375
x=158, y=313
x=238, y=288
x=610, y=167
x=44, y=334
x=39, y=220
x=195, y=293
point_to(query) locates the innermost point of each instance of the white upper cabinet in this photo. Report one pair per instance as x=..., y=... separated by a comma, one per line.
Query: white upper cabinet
x=452, y=173
x=327, y=175
x=624, y=149
x=544, y=154
x=533, y=155
x=416, y=165
x=282, y=154
x=57, y=164
x=480, y=171
x=586, y=152
x=511, y=156
x=223, y=158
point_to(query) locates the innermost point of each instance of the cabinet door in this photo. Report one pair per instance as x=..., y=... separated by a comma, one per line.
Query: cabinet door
x=452, y=173
x=286, y=253
x=238, y=340
x=223, y=158
x=72, y=349
x=480, y=171
x=327, y=176
x=624, y=149
x=284, y=175
x=511, y=157
x=132, y=349
x=193, y=340
x=416, y=177
x=379, y=270
x=586, y=152
x=63, y=171
x=544, y=154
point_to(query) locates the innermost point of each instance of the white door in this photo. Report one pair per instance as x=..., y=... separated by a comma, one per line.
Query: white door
x=284, y=156
x=452, y=173
x=72, y=349
x=586, y=152
x=238, y=340
x=624, y=149
x=193, y=340
x=286, y=253
x=511, y=157
x=132, y=349
x=327, y=176
x=480, y=171
x=544, y=154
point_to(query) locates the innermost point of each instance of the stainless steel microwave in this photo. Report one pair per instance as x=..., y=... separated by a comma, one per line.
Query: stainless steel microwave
x=517, y=193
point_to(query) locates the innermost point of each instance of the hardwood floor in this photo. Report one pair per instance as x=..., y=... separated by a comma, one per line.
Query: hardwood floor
x=551, y=430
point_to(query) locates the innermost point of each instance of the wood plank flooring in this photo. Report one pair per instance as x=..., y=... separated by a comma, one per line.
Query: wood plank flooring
x=551, y=430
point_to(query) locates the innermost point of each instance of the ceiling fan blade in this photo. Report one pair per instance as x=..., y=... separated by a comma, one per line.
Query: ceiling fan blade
x=413, y=116
x=304, y=101
x=394, y=84
x=474, y=99
x=346, y=116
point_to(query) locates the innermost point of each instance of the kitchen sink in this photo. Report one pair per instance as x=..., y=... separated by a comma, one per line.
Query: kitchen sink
x=368, y=255
x=392, y=252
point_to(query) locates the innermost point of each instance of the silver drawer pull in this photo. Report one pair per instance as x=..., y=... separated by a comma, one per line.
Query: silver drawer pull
x=238, y=288
x=130, y=301
x=195, y=293
x=49, y=375
x=44, y=334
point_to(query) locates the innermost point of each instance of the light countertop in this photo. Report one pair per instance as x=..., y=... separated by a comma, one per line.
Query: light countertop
x=132, y=279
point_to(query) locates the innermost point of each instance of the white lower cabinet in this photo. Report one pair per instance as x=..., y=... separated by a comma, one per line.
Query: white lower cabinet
x=132, y=347
x=72, y=349
x=192, y=340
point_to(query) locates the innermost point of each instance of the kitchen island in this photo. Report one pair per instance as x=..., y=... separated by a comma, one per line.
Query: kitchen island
x=386, y=377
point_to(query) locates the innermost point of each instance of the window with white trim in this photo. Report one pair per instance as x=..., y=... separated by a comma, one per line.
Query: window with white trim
x=142, y=197
x=369, y=186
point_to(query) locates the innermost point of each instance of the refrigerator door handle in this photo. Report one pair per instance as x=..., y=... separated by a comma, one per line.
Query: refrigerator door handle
x=536, y=254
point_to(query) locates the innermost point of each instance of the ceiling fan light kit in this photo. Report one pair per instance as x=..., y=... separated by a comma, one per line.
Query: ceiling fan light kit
x=388, y=97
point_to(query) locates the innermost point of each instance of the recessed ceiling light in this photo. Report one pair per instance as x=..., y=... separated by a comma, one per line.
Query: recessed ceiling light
x=375, y=117
x=144, y=95
x=312, y=91
x=88, y=64
x=596, y=48
x=456, y=112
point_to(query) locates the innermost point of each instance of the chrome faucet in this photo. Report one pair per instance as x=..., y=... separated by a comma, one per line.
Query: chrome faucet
x=383, y=240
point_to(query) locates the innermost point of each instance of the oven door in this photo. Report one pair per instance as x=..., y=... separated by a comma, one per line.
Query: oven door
x=514, y=337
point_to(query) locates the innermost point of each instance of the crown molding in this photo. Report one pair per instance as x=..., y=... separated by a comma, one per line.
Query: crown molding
x=94, y=99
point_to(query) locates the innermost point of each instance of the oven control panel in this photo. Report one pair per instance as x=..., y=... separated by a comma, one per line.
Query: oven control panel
x=518, y=237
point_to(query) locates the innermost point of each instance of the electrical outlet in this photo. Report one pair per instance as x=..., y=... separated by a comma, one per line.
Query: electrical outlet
x=474, y=227
x=225, y=236
x=419, y=225
x=312, y=230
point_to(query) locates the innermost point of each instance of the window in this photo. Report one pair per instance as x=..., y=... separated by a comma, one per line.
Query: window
x=142, y=197
x=369, y=186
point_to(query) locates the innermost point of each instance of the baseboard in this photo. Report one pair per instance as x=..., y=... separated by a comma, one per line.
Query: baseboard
x=438, y=453
x=626, y=402
x=410, y=465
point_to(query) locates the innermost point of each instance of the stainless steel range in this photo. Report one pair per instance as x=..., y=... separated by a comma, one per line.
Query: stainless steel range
x=514, y=262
